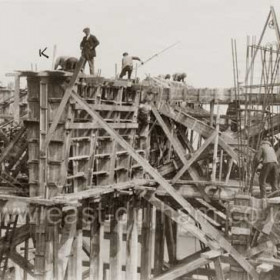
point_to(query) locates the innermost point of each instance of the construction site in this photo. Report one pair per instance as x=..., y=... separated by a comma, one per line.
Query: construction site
x=152, y=179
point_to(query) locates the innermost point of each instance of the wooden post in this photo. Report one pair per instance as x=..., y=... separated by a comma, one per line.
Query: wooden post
x=221, y=166
x=159, y=243
x=116, y=70
x=170, y=240
x=16, y=99
x=56, y=227
x=53, y=57
x=66, y=241
x=44, y=125
x=146, y=256
x=78, y=247
x=40, y=255
x=116, y=232
x=71, y=267
x=49, y=252
x=229, y=170
x=218, y=269
x=212, y=105
x=215, y=152
x=96, y=241
x=26, y=249
x=132, y=241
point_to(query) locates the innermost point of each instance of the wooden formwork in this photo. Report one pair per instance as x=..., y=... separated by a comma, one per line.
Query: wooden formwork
x=100, y=179
x=87, y=158
x=115, y=172
x=81, y=156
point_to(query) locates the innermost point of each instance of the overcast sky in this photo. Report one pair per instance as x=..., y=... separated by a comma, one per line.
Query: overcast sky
x=142, y=28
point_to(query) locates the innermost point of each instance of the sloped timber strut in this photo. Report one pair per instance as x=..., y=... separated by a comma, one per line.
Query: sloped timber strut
x=195, y=156
x=177, y=217
x=177, y=146
x=182, y=269
x=197, y=215
x=180, y=152
x=178, y=115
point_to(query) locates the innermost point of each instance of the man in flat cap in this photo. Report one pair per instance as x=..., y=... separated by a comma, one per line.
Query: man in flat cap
x=88, y=45
x=127, y=64
x=269, y=170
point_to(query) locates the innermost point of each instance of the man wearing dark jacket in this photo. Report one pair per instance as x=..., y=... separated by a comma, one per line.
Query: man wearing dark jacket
x=88, y=45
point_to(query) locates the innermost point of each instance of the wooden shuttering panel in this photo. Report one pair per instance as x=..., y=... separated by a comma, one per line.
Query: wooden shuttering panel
x=75, y=153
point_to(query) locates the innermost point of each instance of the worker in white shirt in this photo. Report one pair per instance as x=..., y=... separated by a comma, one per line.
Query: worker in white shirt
x=127, y=64
x=267, y=155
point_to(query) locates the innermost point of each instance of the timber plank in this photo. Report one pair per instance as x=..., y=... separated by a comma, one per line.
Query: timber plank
x=90, y=125
x=182, y=269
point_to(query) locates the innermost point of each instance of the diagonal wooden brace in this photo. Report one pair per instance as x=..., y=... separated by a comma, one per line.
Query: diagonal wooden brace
x=194, y=157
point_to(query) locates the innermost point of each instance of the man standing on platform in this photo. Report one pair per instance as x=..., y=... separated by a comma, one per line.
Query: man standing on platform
x=269, y=169
x=88, y=45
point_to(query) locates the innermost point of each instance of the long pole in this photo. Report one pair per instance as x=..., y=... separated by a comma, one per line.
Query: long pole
x=54, y=55
x=162, y=51
x=215, y=152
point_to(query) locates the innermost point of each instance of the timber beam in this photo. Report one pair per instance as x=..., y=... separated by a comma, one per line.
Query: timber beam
x=182, y=269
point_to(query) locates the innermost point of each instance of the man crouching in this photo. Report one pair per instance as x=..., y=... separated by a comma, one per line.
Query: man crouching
x=66, y=63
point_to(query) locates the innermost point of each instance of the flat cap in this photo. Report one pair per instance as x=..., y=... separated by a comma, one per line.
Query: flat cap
x=86, y=29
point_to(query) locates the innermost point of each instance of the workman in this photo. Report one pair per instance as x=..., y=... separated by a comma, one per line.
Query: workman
x=66, y=63
x=233, y=115
x=127, y=64
x=179, y=77
x=267, y=155
x=88, y=45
